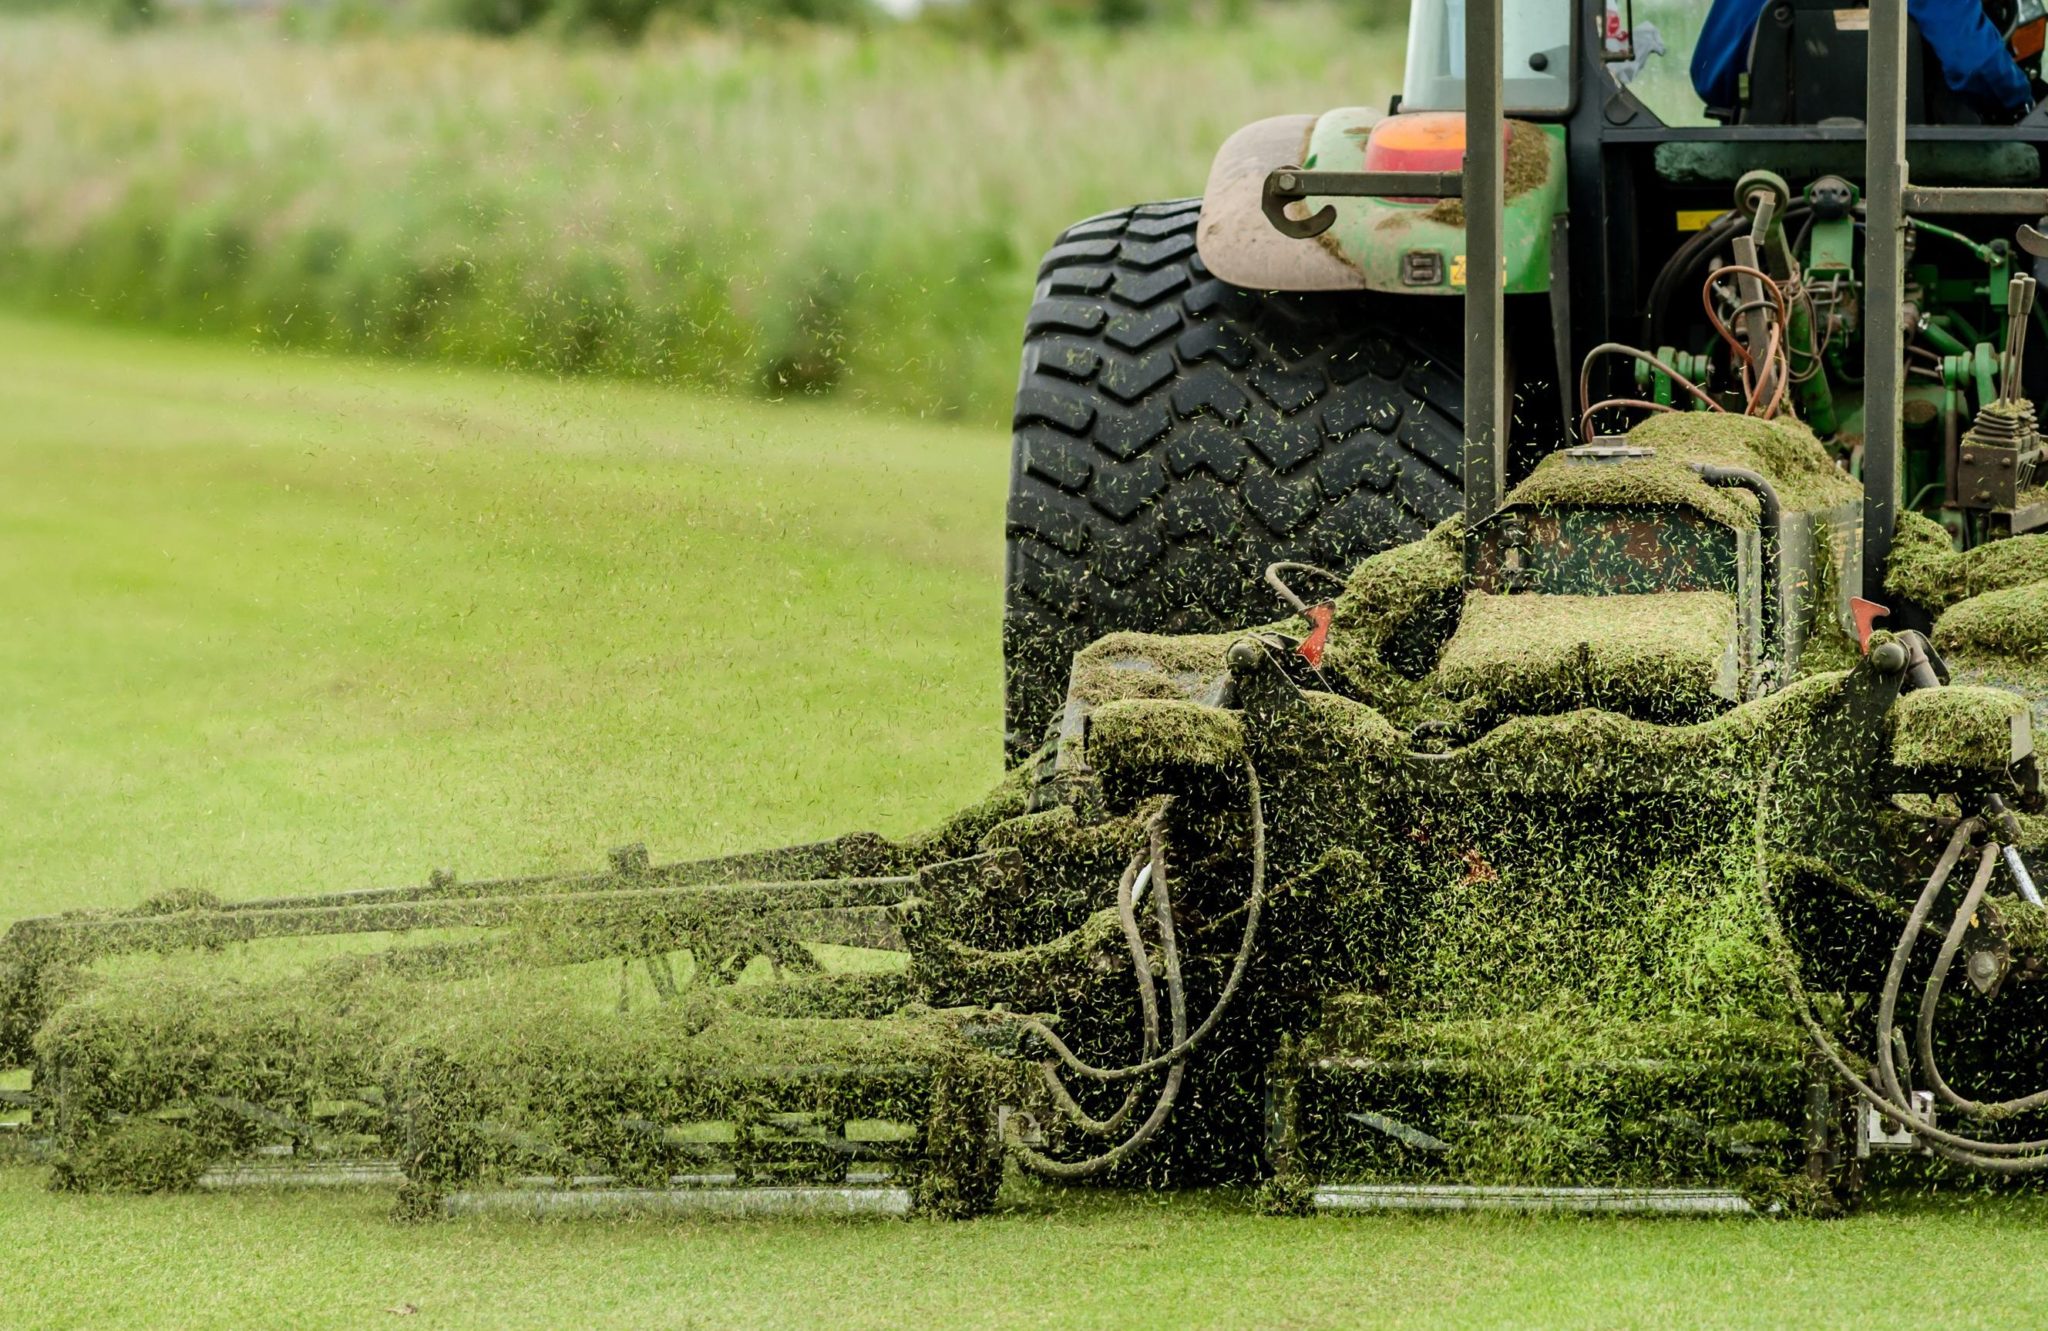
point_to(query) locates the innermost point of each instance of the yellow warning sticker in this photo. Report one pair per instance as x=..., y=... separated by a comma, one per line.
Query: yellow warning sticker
x=1457, y=270
x=1696, y=219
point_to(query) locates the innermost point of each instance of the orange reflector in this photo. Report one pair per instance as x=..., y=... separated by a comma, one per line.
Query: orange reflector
x=1420, y=141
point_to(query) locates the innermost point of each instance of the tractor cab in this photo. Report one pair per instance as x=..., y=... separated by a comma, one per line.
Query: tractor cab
x=1795, y=62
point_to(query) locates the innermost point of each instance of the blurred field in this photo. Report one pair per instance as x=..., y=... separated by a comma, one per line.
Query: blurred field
x=278, y=622
x=831, y=210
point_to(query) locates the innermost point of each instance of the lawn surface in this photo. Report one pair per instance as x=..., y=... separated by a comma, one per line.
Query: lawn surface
x=272, y=623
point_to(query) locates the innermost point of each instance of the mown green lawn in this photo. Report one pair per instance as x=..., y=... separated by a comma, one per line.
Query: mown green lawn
x=270, y=623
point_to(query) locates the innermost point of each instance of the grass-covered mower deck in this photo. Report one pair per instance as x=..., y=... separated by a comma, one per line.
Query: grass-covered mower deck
x=1460, y=880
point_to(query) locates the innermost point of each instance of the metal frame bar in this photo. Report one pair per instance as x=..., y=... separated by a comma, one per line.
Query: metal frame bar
x=680, y=908
x=1472, y=1197
x=1884, y=286
x=1486, y=413
x=1975, y=200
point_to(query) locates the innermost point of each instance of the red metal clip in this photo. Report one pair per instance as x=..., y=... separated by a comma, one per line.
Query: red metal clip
x=1866, y=614
x=1311, y=648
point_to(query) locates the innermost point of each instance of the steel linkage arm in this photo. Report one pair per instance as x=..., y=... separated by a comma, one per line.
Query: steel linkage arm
x=1291, y=185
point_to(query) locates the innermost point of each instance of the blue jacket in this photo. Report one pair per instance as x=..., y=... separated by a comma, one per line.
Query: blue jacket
x=1971, y=53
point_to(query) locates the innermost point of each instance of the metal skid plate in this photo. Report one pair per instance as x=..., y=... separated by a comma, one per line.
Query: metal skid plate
x=1473, y=1197
x=712, y=1195
x=863, y=1192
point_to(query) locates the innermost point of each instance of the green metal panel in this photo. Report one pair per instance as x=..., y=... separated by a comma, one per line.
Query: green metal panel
x=1378, y=236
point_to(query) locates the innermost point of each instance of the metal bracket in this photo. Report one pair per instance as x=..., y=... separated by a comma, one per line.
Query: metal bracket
x=1879, y=1131
x=1291, y=184
x=1974, y=200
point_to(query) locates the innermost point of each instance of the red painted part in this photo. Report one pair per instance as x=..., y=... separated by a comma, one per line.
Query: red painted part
x=2029, y=38
x=1311, y=648
x=1866, y=614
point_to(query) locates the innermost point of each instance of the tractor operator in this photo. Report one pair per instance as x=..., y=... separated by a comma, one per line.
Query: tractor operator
x=1973, y=57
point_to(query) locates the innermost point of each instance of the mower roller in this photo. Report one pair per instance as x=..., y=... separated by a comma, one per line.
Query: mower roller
x=1645, y=816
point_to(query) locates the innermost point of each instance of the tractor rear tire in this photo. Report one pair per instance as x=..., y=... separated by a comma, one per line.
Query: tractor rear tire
x=1175, y=434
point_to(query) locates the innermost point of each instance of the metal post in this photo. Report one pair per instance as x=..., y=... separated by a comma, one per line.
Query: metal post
x=1884, y=286
x=1486, y=413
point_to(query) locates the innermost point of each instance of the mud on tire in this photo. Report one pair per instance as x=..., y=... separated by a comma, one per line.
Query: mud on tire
x=1175, y=434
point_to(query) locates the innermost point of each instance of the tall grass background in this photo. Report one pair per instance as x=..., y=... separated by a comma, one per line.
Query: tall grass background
x=840, y=210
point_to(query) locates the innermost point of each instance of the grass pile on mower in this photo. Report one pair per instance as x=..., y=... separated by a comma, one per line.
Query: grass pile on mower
x=1431, y=908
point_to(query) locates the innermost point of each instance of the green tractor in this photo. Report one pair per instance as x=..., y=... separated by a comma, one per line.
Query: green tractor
x=1599, y=779
x=1210, y=386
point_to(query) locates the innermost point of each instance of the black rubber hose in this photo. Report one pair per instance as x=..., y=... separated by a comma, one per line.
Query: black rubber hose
x=1176, y=997
x=1682, y=261
x=1770, y=525
x=1930, y=1000
x=1254, y=905
x=1690, y=255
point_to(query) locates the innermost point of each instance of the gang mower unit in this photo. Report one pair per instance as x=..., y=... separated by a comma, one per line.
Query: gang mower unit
x=1645, y=817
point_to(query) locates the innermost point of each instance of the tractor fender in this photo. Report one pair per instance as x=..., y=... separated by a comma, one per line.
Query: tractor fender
x=1409, y=247
x=1236, y=241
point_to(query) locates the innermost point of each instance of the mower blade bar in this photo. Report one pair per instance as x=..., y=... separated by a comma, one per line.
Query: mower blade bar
x=734, y=1201
x=812, y=862
x=1469, y=1197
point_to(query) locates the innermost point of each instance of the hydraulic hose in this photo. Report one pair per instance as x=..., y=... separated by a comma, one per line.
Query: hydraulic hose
x=1253, y=907
x=1902, y=953
x=1169, y=949
x=1184, y=1042
x=1127, y=916
x=1689, y=256
x=1287, y=593
x=2023, y=1157
x=1148, y=1005
x=1930, y=1000
x=1656, y=306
